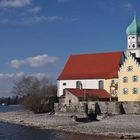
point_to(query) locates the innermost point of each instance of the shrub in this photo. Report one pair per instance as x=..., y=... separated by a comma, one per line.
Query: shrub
x=39, y=104
x=37, y=96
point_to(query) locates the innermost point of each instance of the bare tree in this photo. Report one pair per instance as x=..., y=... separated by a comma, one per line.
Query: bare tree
x=39, y=96
x=26, y=86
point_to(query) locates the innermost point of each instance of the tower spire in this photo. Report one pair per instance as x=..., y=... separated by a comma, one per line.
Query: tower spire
x=135, y=15
x=133, y=37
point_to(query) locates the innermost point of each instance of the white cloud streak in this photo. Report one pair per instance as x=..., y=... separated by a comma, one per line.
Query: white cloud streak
x=16, y=76
x=38, y=19
x=34, y=62
x=34, y=10
x=14, y=3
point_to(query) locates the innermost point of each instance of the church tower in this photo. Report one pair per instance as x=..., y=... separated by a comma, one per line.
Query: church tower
x=133, y=38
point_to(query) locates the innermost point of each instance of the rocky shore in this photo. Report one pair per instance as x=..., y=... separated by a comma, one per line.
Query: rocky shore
x=123, y=126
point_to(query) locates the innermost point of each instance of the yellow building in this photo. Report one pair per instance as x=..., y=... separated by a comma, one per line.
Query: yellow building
x=129, y=73
x=129, y=80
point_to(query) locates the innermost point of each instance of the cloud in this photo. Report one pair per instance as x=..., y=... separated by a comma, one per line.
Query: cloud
x=34, y=10
x=34, y=62
x=14, y=3
x=30, y=14
x=37, y=19
x=30, y=20
x=7, y=77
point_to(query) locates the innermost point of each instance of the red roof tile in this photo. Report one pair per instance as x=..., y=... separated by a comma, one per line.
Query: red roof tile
x=81, y=93
x=89, y=66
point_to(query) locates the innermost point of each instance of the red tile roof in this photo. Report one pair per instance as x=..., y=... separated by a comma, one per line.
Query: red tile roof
x=89, y=66
x=98, y=93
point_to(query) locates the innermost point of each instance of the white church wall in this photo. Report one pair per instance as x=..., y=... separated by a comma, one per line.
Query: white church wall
x=87, y=84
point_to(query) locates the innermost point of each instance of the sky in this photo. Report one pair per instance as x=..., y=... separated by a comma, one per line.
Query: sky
x=38, y=36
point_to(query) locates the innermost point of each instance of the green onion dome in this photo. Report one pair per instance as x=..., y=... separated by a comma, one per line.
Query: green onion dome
x=133, y=28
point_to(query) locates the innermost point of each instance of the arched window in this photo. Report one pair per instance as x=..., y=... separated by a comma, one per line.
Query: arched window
x=79, y=85
x=133, y=45
x=101, y=84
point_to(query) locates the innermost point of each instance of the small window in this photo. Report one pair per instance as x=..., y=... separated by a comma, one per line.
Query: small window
x=125, y=91
x=139, y=45
x=125, y=79
x=79, y=85
x=64, y=92
x=69, y=102
x=133, y=37
x=135, y=78
x=64, y=84
x=113, y=82
x=101, y=84
x=135, y=90
x=133, y=45
x=130, y=68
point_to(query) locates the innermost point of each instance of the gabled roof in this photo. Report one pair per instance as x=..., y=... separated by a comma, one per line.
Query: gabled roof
x=90, y=93
x=90, y=66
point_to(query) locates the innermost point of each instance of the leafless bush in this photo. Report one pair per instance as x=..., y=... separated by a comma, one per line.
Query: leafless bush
x=38, y=96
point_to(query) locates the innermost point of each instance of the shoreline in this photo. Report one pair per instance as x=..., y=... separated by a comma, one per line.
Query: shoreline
x=107, y=135
x=114, y=126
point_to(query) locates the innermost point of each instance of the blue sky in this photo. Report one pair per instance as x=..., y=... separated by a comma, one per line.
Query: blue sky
x=37, y=36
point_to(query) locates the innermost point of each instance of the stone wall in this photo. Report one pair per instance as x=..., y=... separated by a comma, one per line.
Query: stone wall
x=131, y=107
x=104, y=107
x=80, y=108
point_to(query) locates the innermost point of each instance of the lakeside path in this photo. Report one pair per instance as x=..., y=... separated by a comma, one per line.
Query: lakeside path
x=119, y=125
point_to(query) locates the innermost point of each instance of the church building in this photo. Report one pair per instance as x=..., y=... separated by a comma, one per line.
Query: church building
x=104, y=76
x=129, y=73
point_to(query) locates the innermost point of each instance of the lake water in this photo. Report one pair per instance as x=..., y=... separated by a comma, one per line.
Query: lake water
x=18, y=132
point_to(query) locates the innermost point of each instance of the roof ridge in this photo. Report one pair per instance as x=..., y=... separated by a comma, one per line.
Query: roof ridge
x=97, y=53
